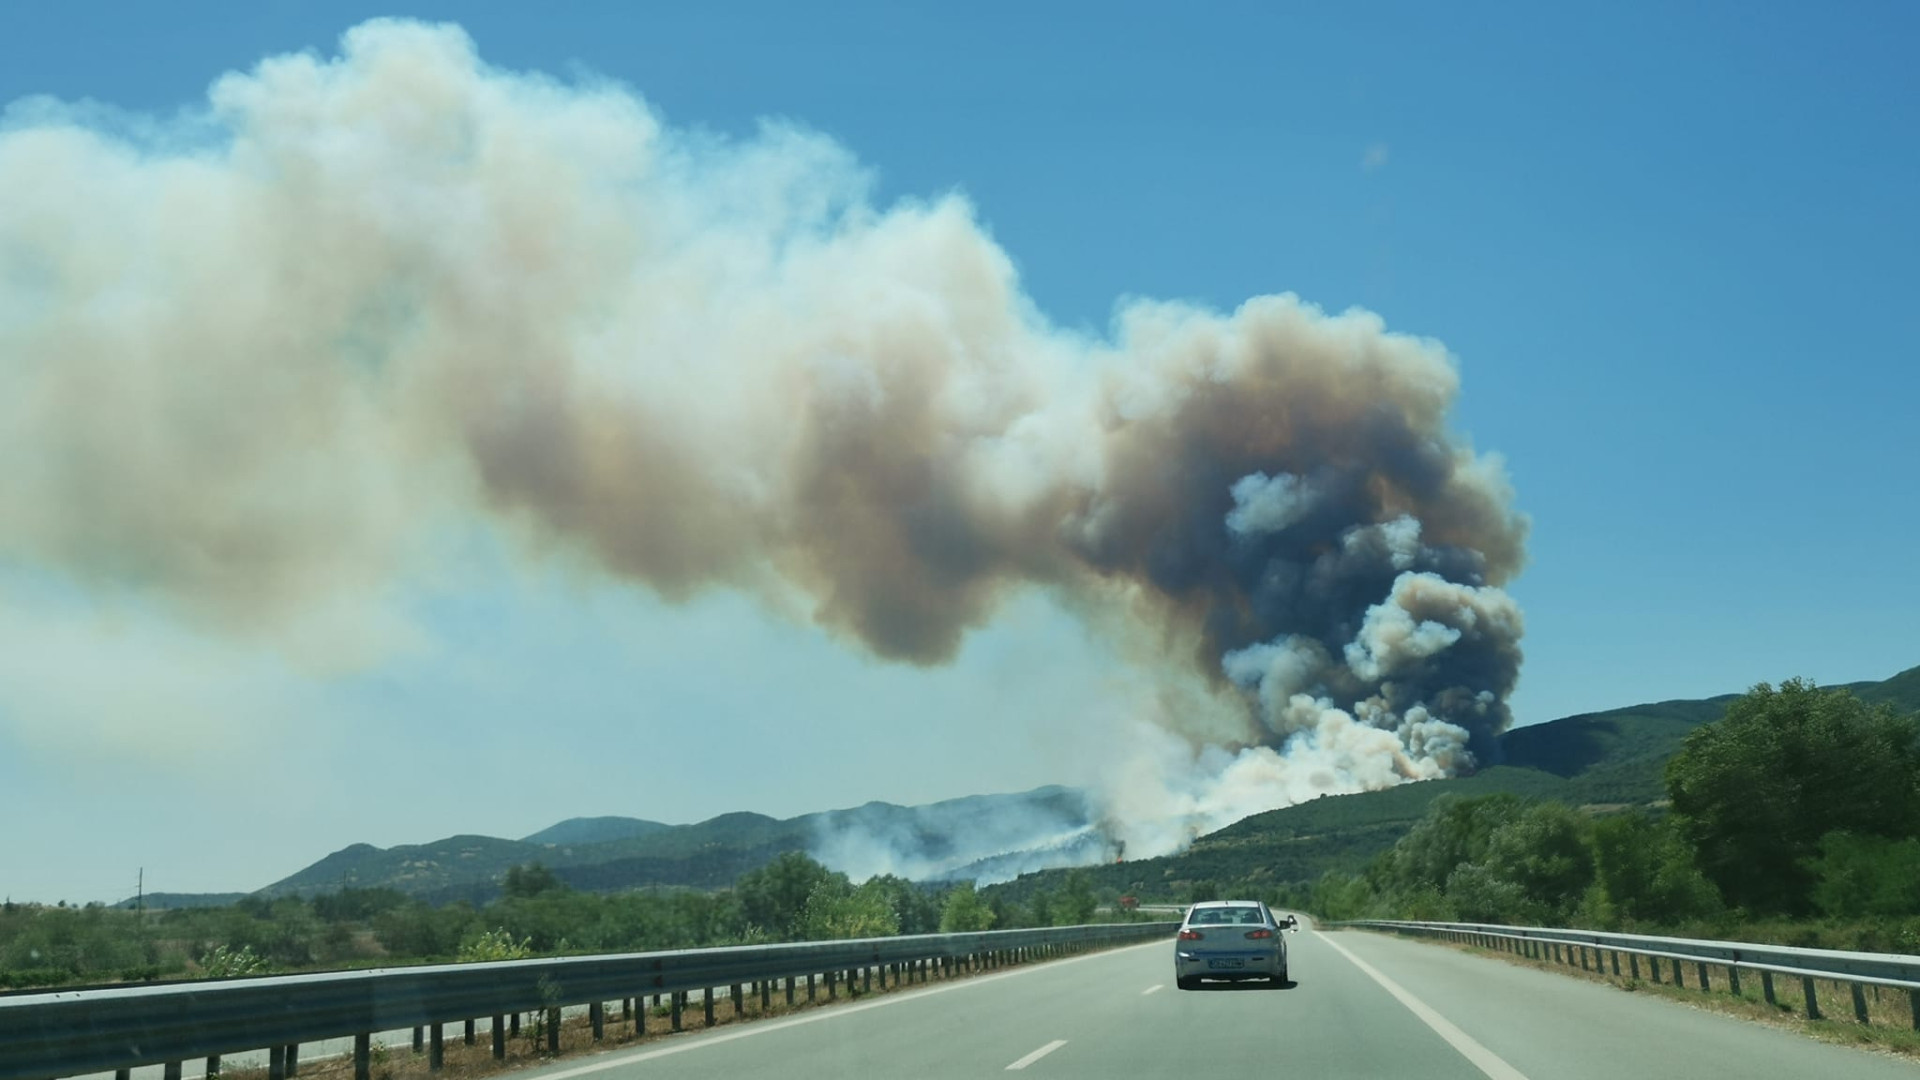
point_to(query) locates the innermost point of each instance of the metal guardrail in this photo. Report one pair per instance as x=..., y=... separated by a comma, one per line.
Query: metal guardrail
x=68, y=1033
x=1857, y=969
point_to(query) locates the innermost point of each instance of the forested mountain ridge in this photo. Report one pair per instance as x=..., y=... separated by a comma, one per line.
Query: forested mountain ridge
x=1602, y=760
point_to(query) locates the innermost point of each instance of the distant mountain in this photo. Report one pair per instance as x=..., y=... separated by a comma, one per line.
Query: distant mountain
x=1602, y=760
x=1022, y=831
x=161, y=901
x=594, y=830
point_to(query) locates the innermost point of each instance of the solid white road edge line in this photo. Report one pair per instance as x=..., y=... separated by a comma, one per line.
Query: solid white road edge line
x=1037, y=1055
x=1483, y=1059
x=1151, y=989
x=761, y=1027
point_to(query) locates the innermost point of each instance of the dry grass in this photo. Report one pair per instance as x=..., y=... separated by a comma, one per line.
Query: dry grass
x=1892, y=1026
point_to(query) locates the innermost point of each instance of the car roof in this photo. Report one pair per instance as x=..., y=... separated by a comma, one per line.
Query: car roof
x=1227, y=903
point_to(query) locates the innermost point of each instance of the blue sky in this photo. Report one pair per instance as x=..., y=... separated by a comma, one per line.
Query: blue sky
x=1670, y=248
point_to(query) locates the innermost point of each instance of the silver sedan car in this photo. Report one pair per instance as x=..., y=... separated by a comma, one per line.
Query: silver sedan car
x=1231, y=939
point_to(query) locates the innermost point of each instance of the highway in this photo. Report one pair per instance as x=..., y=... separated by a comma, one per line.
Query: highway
x=1446, y=1015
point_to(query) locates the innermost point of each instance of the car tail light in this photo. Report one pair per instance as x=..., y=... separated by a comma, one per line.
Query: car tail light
x=1191, y=935
x=1263, y=932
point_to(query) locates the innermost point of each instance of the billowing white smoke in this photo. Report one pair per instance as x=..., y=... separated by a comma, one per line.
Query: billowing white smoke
x=983, y=838
x=254, y=363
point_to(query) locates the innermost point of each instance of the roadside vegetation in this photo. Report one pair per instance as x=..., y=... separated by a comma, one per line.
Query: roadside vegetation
x=793, y=898
x=1794, y=819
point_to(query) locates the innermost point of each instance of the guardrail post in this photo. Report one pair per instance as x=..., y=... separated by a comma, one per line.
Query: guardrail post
x=172, y=1071
x=363, y=1056
x=1766, y=986
x=1706, y=984
x=673, y=1015
x=766, y=994
x=123, y=1074
x=1913, y=1003
x=436, y=1048
x=597, y=1018
x=499, y=1030
x=1654, y=963
x=1813, y=1003
x=1860, y=1003
x=866, y=978
x=1614, y=956
x=513, y=1025
x=1733, y=980
x=1679, y=974
x=469, y=1031
x=739, y=1002
x=810, y=990
x=789, y=982
x=213, y=1066
x=276, y=1063
x=553, y=1029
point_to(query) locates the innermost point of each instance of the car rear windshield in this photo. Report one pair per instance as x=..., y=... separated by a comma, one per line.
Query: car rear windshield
x=1226, y=916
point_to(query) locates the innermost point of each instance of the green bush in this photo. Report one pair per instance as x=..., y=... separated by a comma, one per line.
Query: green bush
x=1758, y=790
x=1645, y=870
x=964, y=912
x=1856, y=876
x=220, y=962
x=494, y=945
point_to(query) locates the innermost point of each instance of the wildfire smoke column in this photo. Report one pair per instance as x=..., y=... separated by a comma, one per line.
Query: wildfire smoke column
x=253, y=361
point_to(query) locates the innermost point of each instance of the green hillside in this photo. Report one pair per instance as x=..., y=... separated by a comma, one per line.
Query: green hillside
x=1604, y=760
x=594, y=830
x=613, y=854
x=1601, y=760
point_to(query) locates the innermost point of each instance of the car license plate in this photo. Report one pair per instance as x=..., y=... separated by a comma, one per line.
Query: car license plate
x=1218, y=965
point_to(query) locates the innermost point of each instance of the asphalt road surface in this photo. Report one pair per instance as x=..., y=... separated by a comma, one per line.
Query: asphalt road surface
x=1360, y=1005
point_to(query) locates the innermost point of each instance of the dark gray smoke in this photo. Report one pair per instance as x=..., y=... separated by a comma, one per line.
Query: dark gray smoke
x=252, y=380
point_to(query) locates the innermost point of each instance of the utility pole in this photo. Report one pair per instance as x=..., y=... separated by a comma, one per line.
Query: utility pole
x=140, y=892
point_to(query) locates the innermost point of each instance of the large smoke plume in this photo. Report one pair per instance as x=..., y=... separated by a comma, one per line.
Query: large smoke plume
x=252, y=361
